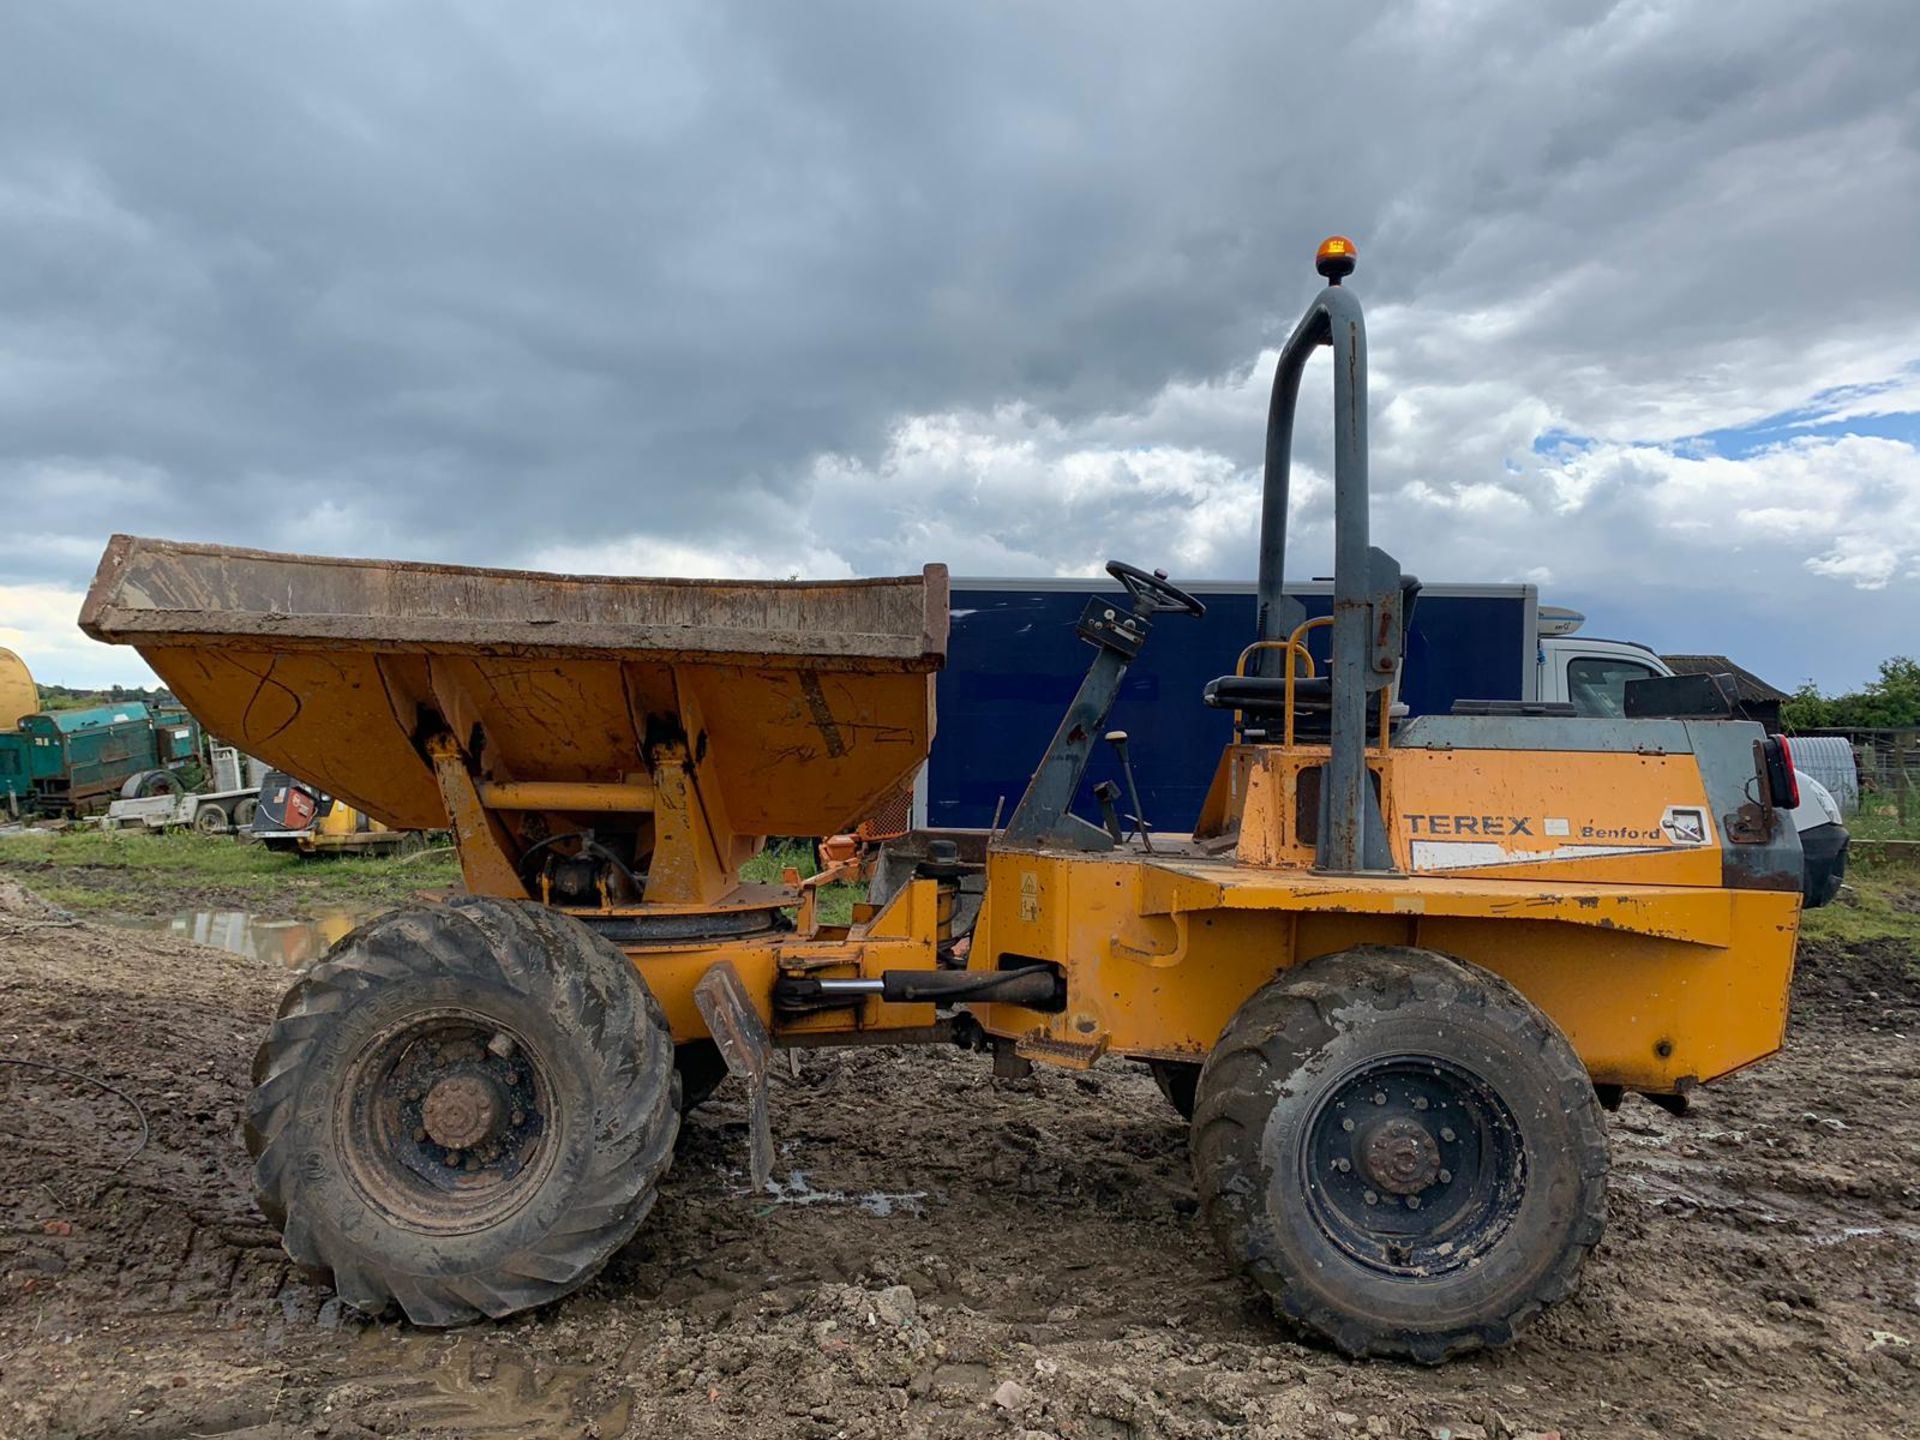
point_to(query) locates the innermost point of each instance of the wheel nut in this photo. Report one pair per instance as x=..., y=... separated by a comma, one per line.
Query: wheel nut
x=1346, y=1124
x=419, y=1134
x=1419, y=1102
x=518, y=1117
x=453, y=1157
x=1379, y=1097
x=1343, y=1165
x=1413, y=1202
x=1371, y=1198
x=512, y=1077
x=1446, y=1177
x=1446, y=1132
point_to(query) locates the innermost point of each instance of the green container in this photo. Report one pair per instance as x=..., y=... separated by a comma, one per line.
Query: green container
x=15, y=781
x=74, y=762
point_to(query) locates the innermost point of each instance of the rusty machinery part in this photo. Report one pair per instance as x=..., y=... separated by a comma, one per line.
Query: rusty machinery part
x=679, y=928
x=590, y=874
x=464, y=1108
x=889, y=820
x=1403, y=1151
x=945, y=868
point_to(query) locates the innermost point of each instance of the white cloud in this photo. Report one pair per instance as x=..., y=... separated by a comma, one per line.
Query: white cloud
x=650, y=555
x=39, y=624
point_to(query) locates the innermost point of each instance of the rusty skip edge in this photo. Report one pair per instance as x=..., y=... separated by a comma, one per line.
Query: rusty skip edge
x=158, y=592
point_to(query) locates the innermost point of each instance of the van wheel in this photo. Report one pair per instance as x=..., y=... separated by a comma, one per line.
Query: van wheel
x=1403, y=1151
x=464, y=1108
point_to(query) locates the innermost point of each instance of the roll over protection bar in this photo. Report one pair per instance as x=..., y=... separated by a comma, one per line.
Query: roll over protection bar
x=1366, y=607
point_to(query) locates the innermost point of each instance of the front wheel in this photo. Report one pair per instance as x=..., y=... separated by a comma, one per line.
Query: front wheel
x=1403, y=1151
x=464, y=1108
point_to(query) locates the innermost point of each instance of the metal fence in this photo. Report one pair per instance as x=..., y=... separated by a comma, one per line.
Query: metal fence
x=1887, y=762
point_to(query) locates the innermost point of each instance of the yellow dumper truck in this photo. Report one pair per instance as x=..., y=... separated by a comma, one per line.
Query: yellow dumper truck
x=1393, y=975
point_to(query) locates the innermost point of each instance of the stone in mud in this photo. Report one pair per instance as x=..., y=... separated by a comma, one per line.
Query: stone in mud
x=896, y=1306
x=1012, y=1395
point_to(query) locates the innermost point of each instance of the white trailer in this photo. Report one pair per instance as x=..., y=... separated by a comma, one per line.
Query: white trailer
x=224, y=809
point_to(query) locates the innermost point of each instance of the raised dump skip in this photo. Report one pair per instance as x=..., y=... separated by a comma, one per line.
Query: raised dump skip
x=802, y=702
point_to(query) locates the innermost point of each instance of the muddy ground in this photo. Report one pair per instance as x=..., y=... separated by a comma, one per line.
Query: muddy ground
x=949, y=1254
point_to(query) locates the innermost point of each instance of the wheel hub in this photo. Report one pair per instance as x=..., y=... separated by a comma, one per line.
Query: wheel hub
x=444, y=1122
x=1401, y=1155
x=1413, y=1165
x=461, y=1111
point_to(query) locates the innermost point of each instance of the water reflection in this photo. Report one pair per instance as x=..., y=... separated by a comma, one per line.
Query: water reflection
x=288, y=943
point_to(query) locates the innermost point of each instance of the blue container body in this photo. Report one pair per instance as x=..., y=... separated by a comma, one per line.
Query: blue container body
x=1014, y=661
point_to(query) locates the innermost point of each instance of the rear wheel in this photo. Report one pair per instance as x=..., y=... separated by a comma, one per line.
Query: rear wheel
x=243, y=814
x=1403, y=1151
x=211, y=819
x=464, y=1108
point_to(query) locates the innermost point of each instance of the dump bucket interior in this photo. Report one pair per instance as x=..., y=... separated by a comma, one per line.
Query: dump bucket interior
x=804, y=703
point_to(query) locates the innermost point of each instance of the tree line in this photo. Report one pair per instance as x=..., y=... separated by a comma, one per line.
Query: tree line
x=1890, y=702
x=63, y=697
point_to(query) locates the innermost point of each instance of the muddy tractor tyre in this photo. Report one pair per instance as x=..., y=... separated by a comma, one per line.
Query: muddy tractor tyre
x=1403, y=1152
x=465, y=1109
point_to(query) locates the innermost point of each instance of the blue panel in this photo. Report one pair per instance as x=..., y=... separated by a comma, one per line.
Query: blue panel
x=1013, y=663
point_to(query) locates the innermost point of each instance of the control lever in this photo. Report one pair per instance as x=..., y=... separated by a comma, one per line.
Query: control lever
x=1118, y=739
x=1106, y=792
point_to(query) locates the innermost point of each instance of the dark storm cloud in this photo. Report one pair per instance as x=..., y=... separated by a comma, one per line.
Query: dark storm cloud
x=494, y=281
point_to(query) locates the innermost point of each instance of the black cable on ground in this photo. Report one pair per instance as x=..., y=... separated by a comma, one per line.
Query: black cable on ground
x=138, y=1113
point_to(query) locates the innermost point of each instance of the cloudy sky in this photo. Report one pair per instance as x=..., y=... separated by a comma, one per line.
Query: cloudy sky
x=833, y=289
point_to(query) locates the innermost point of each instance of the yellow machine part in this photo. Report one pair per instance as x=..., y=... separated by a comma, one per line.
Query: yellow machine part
x=19, y=696
x=345, y=828
x=1655, y=985
x=1592, y=881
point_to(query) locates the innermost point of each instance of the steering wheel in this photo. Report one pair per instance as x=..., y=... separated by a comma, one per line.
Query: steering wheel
x=1151, y=592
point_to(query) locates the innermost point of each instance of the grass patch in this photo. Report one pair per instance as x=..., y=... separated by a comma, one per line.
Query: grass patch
x=1883, y=822
x=1881, y=902
x=146, y=874
x=766, y=868
x=136, y=873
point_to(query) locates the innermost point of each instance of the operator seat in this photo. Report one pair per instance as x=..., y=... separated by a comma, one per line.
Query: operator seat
x=1262, y=699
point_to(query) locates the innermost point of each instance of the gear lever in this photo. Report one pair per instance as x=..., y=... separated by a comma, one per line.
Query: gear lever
x=1118, y=739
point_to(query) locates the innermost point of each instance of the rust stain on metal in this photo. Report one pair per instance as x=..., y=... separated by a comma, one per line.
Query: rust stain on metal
x=822, y=713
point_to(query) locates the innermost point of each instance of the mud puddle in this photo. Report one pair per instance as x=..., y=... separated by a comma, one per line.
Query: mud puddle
x=286, y=944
